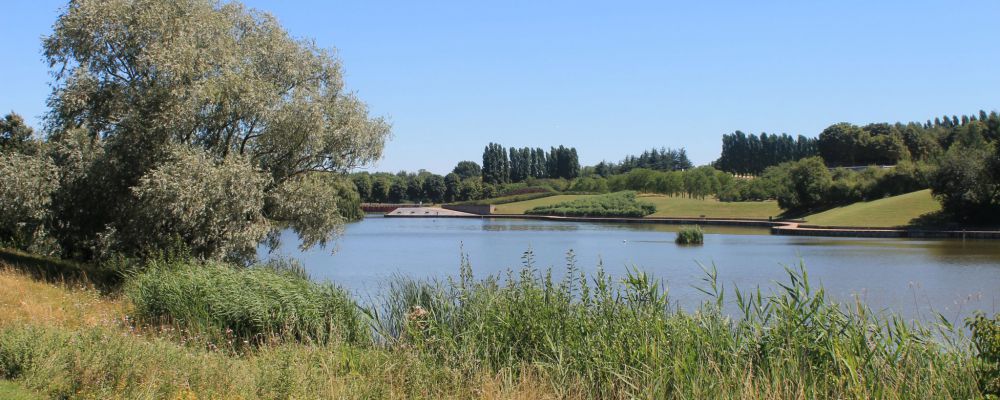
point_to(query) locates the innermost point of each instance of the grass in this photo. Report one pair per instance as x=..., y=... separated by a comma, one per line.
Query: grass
x=618, y=204
x=888, y=212
x=24, y=300
x=520, y=334
x=668, y=206
x=677, y=206
x=249, y=304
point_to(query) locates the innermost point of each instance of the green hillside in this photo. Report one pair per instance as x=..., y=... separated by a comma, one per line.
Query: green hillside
x=887, y=212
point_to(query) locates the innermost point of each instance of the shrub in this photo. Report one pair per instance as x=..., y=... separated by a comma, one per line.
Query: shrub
x=986, y=338
x=619, y=204
x=251, y=304
x=690, y=235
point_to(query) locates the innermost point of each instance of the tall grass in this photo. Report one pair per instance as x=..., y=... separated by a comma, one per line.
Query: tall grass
x=251, y=304
x=625, y=339
x=619, y=204
x=690, y=235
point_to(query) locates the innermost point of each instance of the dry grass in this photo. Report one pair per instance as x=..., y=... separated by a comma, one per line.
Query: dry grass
x=25, y=300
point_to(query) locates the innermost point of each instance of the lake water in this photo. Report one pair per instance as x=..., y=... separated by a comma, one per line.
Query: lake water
x=911, y=277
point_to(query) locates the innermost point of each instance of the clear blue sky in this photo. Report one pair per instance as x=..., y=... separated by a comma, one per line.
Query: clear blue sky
x=613, y=78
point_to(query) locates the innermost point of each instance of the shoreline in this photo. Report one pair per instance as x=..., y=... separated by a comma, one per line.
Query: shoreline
x=777, y=227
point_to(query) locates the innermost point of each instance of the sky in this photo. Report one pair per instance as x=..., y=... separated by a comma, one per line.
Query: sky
x=610, y=78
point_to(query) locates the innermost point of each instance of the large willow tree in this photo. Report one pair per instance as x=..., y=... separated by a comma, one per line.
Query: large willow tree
x=140, y=84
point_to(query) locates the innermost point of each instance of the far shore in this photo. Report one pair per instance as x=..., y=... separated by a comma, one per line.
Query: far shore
x=777, y=226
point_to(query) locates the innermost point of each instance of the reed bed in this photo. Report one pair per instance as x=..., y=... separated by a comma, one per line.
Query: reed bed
x=690, y=235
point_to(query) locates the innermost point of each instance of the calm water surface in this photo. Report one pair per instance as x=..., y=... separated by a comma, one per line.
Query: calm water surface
x=911, y=277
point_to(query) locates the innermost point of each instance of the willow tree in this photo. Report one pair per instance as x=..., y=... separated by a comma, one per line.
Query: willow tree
x=139, y=79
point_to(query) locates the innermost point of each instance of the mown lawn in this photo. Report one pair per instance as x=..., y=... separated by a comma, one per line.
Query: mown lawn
x=668, y=206
x=521, y=206
x=888, y=212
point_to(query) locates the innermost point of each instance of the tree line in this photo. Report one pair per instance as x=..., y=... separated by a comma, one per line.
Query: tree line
x=519, y=164
x=662, y=159
x=845, y=144
x=750, y=154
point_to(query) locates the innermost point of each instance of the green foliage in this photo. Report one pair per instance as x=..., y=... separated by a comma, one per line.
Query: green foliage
x=619, y=204
x=467, y=169
x=661, y=159
x=847, y=144
x=496, y=165
x=16, y=136
x=698, y=183
x=214, y=209
x=807, y=184
x=967, y=183
x=314, y=206
x=27, y=184
x=752, y=154
x=690, y=235
x=252, y=304
x=510, y=199
x=137, y=79
x=986, y=338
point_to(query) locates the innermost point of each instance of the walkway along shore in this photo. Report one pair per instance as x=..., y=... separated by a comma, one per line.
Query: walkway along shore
x=777, y=227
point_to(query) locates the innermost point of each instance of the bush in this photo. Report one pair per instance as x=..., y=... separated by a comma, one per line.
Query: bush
x=251, y=304
x=690, y=235
x=986, y=338
x=620, y=204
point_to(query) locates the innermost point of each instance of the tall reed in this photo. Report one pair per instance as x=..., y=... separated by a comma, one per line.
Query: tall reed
x=624, y=339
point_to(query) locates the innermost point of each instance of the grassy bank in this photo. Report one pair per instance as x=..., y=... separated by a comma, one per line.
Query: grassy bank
x=514, y=335
x=888, y=212
x=676, y=206
x=667, y=206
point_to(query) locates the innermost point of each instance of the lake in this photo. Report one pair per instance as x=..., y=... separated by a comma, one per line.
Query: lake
x=912, y=277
